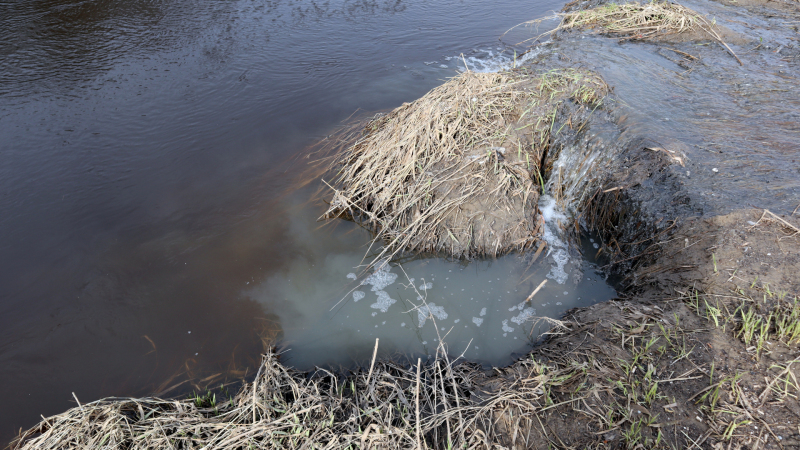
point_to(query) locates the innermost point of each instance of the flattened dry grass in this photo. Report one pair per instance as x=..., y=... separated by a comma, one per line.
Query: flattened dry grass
x=634, y=20
x=390, y=406
x=457, y=171
x=640, y=21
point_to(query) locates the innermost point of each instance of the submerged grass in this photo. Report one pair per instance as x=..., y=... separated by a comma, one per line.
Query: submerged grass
x=457, y=171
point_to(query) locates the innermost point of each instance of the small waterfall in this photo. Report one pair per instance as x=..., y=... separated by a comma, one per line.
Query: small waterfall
x=577, y=169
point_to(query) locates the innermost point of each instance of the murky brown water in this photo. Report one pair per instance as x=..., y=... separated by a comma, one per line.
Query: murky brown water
x=143, y=176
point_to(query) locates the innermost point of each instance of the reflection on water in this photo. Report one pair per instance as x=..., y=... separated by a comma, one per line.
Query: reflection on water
x=332, y=307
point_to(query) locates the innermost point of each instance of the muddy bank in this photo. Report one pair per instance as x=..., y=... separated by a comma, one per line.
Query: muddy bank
x=700, y=349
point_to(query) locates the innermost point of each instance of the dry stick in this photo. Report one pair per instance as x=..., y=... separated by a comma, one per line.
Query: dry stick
x=79, y=403
x=372, y=364
x=255, y=384
x=765, y=394
x=541, y=285
x=416, y=399
x=716, y=36
x=444, y=401
x=785, y=223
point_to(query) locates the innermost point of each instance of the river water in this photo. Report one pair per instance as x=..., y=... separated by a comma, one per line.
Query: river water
x=149, y=231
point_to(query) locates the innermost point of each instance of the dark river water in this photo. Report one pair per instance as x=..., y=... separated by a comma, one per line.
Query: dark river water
x=148, y=232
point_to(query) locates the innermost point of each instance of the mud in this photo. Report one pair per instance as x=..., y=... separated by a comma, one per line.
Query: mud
x=688, y=227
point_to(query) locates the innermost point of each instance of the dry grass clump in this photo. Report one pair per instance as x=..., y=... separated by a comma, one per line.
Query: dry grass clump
x=457, y=171
x=390, y=406
x=641, y=21
x=634, y=20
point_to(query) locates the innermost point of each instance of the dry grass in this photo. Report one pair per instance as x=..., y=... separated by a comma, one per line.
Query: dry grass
x=634, y=20
x=636, y=376
x=457, y=171
x=391, y=406
x=640, y=21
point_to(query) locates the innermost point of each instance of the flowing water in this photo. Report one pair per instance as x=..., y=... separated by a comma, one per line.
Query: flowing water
x=151, y=234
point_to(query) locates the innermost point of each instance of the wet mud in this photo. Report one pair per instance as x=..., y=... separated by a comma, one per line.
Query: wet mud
x=696, y=200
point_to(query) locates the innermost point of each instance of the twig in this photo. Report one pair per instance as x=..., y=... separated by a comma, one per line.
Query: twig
x=416, y=400
x=541, y=285
x=372, y=364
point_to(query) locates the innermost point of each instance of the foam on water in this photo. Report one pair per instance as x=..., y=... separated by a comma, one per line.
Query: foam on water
x=428, y=310
x=384, y=301
x=498, y=59
x=324, y=320
x=381, y=277
x=525, y=315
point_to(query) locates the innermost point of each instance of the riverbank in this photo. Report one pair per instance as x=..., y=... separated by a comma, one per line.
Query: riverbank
x=700, y=349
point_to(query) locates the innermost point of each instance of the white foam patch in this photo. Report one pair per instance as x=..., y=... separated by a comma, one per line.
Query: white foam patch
x=384, y=301
x=506, y=328
x=358, y=295
x=488, y=60
x=477, y=321
x=351, y=276
x=425, y=287
x=483, y=312
x=557, y=272
x=526, y=314
x=429, y=310
x=381, y=278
